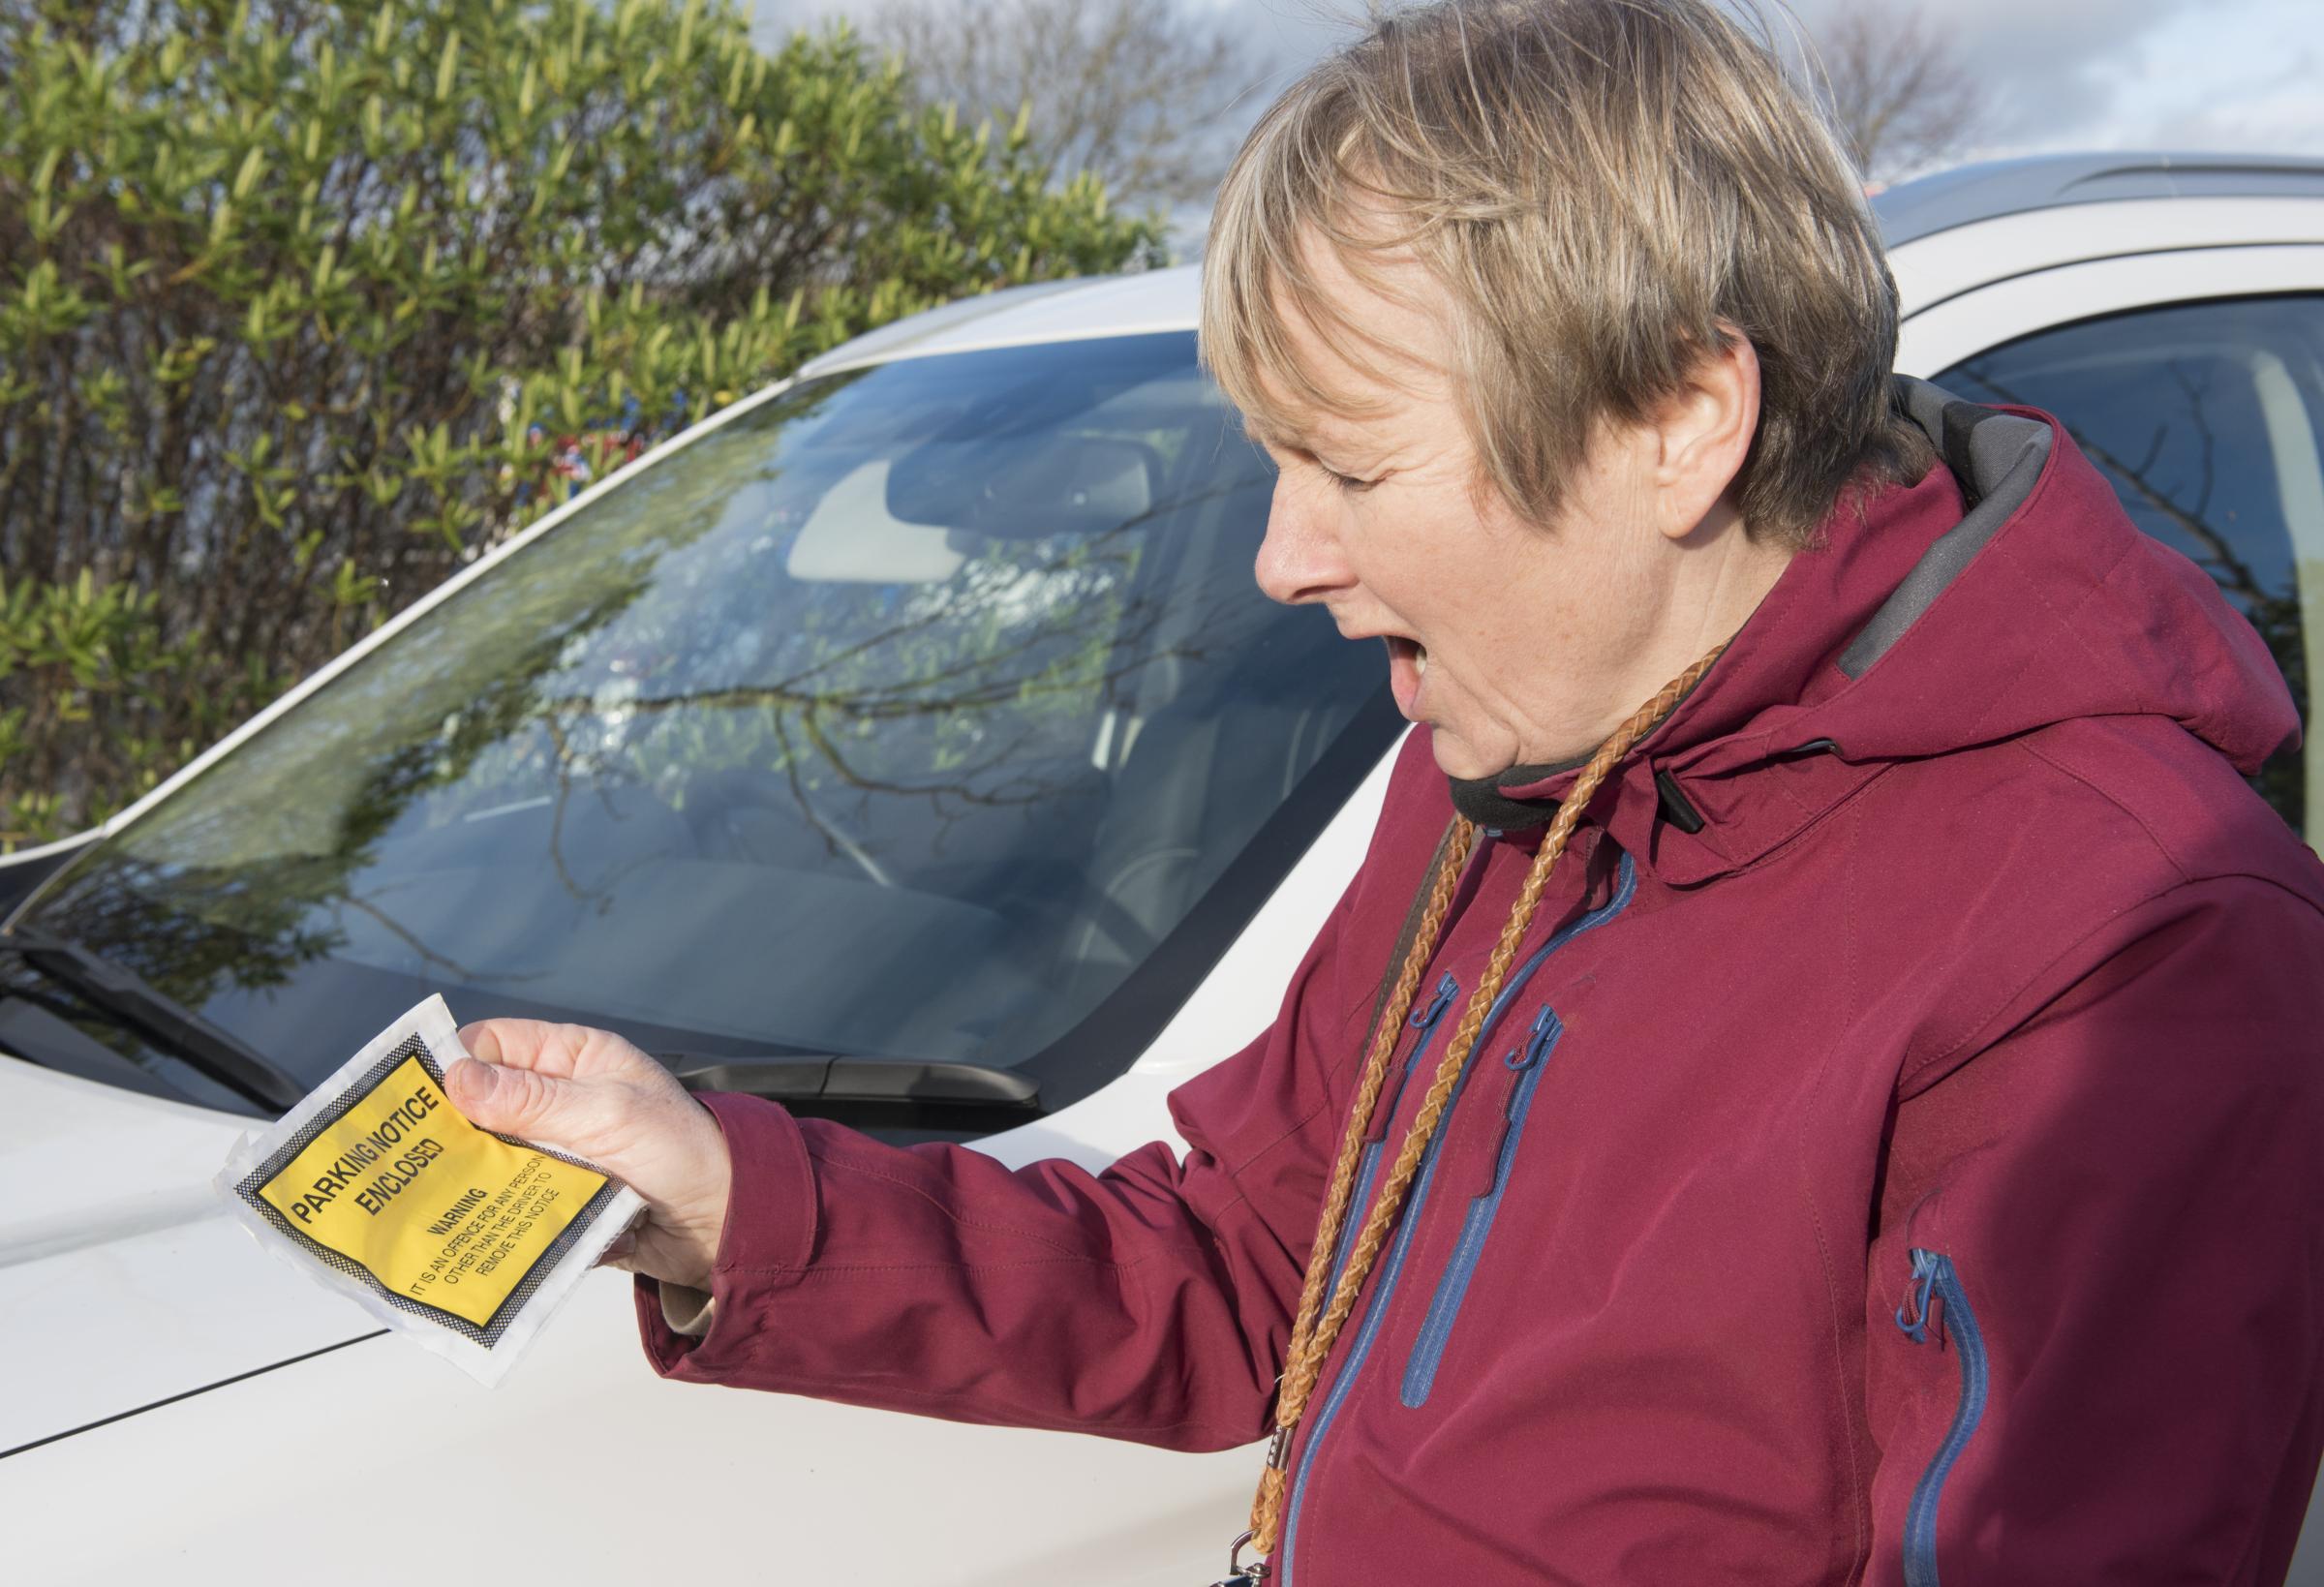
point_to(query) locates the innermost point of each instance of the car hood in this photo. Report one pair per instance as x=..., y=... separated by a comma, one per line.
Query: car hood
x=116, y=1256
x=125, y=1286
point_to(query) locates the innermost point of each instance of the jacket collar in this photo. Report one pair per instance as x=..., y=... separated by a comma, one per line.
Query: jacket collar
x=1820, y=691
x=2004, y=591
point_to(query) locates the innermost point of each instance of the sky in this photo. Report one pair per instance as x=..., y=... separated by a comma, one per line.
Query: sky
x=2244, y=76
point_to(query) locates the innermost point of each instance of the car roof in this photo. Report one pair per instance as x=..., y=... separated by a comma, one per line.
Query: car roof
x=1993, y=188
x=1167, y=299
x=1048, y=311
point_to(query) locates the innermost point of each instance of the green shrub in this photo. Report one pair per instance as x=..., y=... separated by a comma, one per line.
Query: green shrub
x=300, y=300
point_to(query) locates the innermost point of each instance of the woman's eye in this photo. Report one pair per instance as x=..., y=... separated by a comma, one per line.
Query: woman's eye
x=1346, y=482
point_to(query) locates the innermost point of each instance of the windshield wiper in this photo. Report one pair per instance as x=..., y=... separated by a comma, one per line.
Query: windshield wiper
x=125, y=996
x=899, y=1082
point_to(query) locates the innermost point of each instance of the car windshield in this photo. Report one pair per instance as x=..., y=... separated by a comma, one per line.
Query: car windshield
x=912, y=714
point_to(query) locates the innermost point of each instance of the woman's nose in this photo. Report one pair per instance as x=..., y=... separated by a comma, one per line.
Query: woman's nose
x=1300, y=559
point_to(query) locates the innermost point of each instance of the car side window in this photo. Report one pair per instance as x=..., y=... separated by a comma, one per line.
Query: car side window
x=2208, y=419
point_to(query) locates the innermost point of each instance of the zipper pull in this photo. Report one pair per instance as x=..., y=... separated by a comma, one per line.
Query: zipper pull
x=1429, y=1012
x=1913, y=1315
x=1423, y=1020
x=1520, y=1061
x=1538, y=1042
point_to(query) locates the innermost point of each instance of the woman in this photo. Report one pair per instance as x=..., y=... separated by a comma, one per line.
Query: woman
x=1844, y=1101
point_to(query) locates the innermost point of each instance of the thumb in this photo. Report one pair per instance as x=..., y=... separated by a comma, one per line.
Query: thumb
x=522, y=1102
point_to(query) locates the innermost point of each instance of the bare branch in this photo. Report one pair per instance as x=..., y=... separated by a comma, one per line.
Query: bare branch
x=1138, y=92
x=1898, y=96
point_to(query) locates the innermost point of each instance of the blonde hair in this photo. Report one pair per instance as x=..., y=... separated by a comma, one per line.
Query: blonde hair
x=1601, y=191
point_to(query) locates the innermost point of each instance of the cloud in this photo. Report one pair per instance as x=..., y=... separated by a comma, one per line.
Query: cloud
x=2059, y=74
x=2048, y=69
x=2241, y=76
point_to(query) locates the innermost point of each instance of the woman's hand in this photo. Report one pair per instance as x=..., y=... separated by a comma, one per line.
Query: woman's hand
x=591, y=1093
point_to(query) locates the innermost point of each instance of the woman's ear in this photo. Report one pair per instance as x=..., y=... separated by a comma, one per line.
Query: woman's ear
x=1702, y=433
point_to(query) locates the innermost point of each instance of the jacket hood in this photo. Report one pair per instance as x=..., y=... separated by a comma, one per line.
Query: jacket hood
x=2004, y=591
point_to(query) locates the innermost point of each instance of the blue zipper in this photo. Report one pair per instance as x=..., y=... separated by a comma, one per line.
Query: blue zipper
x=1933, y=1274
x=1625, y=887
x=1420, y=1373
x=1371, y=1323
x=1425, y=1020
x=1443, y=1307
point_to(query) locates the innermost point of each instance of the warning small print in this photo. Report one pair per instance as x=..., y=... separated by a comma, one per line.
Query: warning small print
x=439, y=1227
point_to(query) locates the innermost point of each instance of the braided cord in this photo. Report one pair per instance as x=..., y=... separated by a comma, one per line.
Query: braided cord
x=1318, y=1325
x=1373, y=1081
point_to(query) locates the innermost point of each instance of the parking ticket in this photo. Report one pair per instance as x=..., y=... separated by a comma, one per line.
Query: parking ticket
x=377, y=1186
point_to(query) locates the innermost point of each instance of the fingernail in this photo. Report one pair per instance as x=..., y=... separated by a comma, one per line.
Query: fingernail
x=469, y=1078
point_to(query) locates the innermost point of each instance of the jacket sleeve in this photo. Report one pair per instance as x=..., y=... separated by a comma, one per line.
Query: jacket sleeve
x=2097, y=1293
x=1152, y=1301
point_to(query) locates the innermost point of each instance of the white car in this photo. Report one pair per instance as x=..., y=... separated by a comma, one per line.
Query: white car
x=908, y=742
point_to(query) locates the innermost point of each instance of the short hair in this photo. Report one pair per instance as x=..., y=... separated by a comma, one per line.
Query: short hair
x=1601, y=190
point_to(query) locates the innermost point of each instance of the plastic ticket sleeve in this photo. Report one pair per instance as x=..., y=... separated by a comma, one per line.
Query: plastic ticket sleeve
x=377, y=1186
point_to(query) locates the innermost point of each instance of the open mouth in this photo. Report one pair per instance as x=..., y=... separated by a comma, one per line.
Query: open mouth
x=1406, y=668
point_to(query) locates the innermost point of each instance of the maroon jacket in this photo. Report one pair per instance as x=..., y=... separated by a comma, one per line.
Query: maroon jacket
x=1898, y=1150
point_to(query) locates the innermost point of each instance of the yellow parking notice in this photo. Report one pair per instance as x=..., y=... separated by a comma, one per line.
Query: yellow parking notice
x=435, y=1210
x=378, y=1186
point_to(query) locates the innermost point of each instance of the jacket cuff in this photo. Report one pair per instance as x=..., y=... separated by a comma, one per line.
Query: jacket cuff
x=763, y=1248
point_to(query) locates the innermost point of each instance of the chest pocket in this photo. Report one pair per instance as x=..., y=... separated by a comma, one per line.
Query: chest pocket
x=1528, y=1061
x=1443, y=1307
x=1430, y=1019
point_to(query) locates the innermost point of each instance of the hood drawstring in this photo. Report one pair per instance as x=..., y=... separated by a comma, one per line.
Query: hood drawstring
x=1318, y=1323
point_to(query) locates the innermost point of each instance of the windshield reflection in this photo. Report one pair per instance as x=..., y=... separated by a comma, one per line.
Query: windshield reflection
x=904, y=715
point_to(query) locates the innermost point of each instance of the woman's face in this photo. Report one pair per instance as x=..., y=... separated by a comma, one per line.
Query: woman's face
x=1518, y=643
